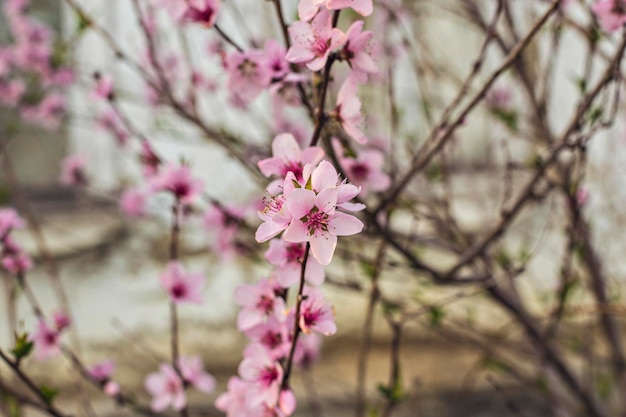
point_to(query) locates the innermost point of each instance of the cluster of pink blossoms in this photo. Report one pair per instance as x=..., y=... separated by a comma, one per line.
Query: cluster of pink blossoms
x=30, y=75
x=307, y=205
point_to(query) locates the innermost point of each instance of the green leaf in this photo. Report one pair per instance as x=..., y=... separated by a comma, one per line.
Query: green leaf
x=434, y=172
x=23, y=346
x=48, y=393
x=596, y=114
x=83, y=23
x=368, y=269
x=503, y=259
x=508, y=117
x=373, y=412
x=495, y=364
x=436, y=315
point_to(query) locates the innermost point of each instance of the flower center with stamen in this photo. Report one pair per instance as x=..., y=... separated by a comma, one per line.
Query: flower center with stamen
x=265, y=304
x=247, y=68
x=315, y=220
x=272, y=340
x=295, y=253
x=294, y=167
x=179, y=290
x=268, y=375
x=320, y=46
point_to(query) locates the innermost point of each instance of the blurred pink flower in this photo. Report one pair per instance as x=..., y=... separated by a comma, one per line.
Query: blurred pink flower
x=181, y=286
x=610, y=13
x=73, y=171
x=166, y=389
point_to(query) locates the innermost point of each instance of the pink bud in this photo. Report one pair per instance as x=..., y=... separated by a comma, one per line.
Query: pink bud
x=287, y=402
x=111, y=388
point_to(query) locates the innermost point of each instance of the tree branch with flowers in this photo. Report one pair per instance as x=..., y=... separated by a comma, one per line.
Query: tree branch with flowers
x=353, y=133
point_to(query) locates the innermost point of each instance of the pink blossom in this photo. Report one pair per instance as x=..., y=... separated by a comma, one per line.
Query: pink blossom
x=178, y=180
x=499, y=98
x=73, y=171
x=149, y=159
x=9, y=220
x=110, y=121
x=233, y=401
x=263, y=374
x=315, y=220
x=287, y=402
x=47, y=113
x=104, y=88
x=287, y=258
x=348, y=110
x=287, y=156
x=366, y=170
x=17, y=263
x=166, y=389
x=358, y=52
x=258, y=303
x=102, y=371
x=275, y=218
x=181, y=286
x=61, y=320
x=133, y=202
x=316, y=314
x=313, y=42
x=273, y=335
x=202, y=11
x=193, y=373
x=248, y=73
x=14, y=259
x=111, y=388
x=308, y=349
x=307, y=9
x=47, y=341
x=286, y=93
x=275, y=59
x=222, y=224
x=11, y=91
x=610, y=13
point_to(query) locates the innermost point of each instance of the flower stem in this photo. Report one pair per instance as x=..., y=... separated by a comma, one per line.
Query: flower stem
x=296, y=326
